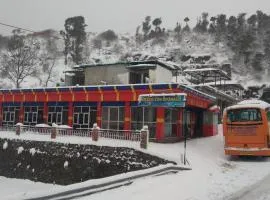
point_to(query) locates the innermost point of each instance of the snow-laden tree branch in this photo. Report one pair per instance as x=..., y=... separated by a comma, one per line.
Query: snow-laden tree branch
x=20, y=60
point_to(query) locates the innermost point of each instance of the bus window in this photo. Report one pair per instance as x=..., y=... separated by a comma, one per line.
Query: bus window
x=268, y=116
x=244, y=115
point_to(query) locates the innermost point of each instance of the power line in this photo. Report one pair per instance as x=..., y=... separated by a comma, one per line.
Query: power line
x=8, y=25
x=12, y=26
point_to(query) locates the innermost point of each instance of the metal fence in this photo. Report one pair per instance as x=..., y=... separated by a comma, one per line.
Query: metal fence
x=128, y=135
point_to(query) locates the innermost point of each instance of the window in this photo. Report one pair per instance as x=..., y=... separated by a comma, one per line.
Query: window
x=58, y=115
x=139, y=76
x=84, y=116
x=10, y=115
x=170, y=122
x=268, y=114
x=33, y=115
x=113, y=118
x=243, y=115
x=141, y=116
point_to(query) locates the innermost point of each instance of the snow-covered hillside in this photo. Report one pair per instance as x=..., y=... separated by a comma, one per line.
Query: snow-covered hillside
x=127, y=48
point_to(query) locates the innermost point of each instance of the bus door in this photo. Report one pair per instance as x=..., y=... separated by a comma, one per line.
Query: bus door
x=245, y=128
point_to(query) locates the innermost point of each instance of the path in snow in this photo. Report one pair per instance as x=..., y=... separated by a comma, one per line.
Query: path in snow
x=258, y=191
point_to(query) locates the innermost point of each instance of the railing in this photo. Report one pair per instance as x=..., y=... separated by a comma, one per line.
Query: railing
x=36, y=130
x=130, y=135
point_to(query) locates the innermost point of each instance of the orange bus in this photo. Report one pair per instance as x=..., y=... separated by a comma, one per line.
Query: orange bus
x=246, y=128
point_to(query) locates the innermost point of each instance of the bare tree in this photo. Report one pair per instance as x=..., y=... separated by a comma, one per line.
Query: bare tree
x=48, y=69
x=20, y=60
x=48, y=63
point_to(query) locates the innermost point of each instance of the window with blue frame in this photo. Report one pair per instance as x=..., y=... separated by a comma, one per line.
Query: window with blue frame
x=10, y=115
x=141, y=116
x=33, y=115
x=113, y=117
x=58, y=114
x=84, y=117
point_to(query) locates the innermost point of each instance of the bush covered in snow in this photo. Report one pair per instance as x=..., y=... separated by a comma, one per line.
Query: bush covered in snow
x=65, y=164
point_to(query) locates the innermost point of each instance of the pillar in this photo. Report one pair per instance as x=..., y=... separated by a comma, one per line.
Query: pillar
x=95, y=132
x=1, y=114
x=70, y=114
x=127, y=121
x=160, y=123
x=99, y=114
x=180, y=123
x=45, y=112
x=144, y=137
x=21, y=113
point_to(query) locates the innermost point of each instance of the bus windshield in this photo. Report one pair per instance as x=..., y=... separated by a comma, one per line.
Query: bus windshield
x=244, y=115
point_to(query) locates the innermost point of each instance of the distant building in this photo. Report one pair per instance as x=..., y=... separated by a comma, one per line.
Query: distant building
x=122, y=73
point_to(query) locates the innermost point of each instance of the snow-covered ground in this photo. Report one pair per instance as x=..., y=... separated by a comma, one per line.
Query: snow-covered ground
x=213, y=175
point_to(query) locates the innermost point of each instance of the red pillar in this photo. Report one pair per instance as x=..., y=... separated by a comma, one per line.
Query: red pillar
x=45, y=112
x=127, y=124
x=180, y=123
x=70, y=114
x=21, y=113
x=1, y=114
x=160, y=123
x=99, y=114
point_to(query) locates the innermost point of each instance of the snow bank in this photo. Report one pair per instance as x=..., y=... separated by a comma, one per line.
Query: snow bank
x=42, y=125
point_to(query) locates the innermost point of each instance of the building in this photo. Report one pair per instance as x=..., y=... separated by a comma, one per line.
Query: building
x=112, y=107
x=122, y=73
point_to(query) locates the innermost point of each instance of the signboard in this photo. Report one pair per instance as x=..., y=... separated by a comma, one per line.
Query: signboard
x=163, y=100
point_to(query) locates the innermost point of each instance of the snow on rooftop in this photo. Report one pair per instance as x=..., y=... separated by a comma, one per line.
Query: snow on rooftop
x=143, y=65
x=251, y=103
x=203, y=69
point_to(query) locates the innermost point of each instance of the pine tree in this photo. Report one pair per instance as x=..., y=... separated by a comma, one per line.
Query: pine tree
x=220, y=27
x=157, y=22
x=205, y=22
x=263, y=22
x=186, y=29
x=146, y=26
x=212, y=26
x=257, y=62
x=177, y=30
x=232, y=31
x=267, y=48
x=74, y=36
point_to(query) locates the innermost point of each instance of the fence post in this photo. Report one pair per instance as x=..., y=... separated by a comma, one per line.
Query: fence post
x=144, y=137
x=18, y=129
x=53, y=133
x=95, y=132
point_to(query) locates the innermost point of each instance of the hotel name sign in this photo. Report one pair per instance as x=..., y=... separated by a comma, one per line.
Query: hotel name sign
x=163, y=100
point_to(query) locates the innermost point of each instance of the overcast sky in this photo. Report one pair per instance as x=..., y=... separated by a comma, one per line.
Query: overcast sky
x=119, y=15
